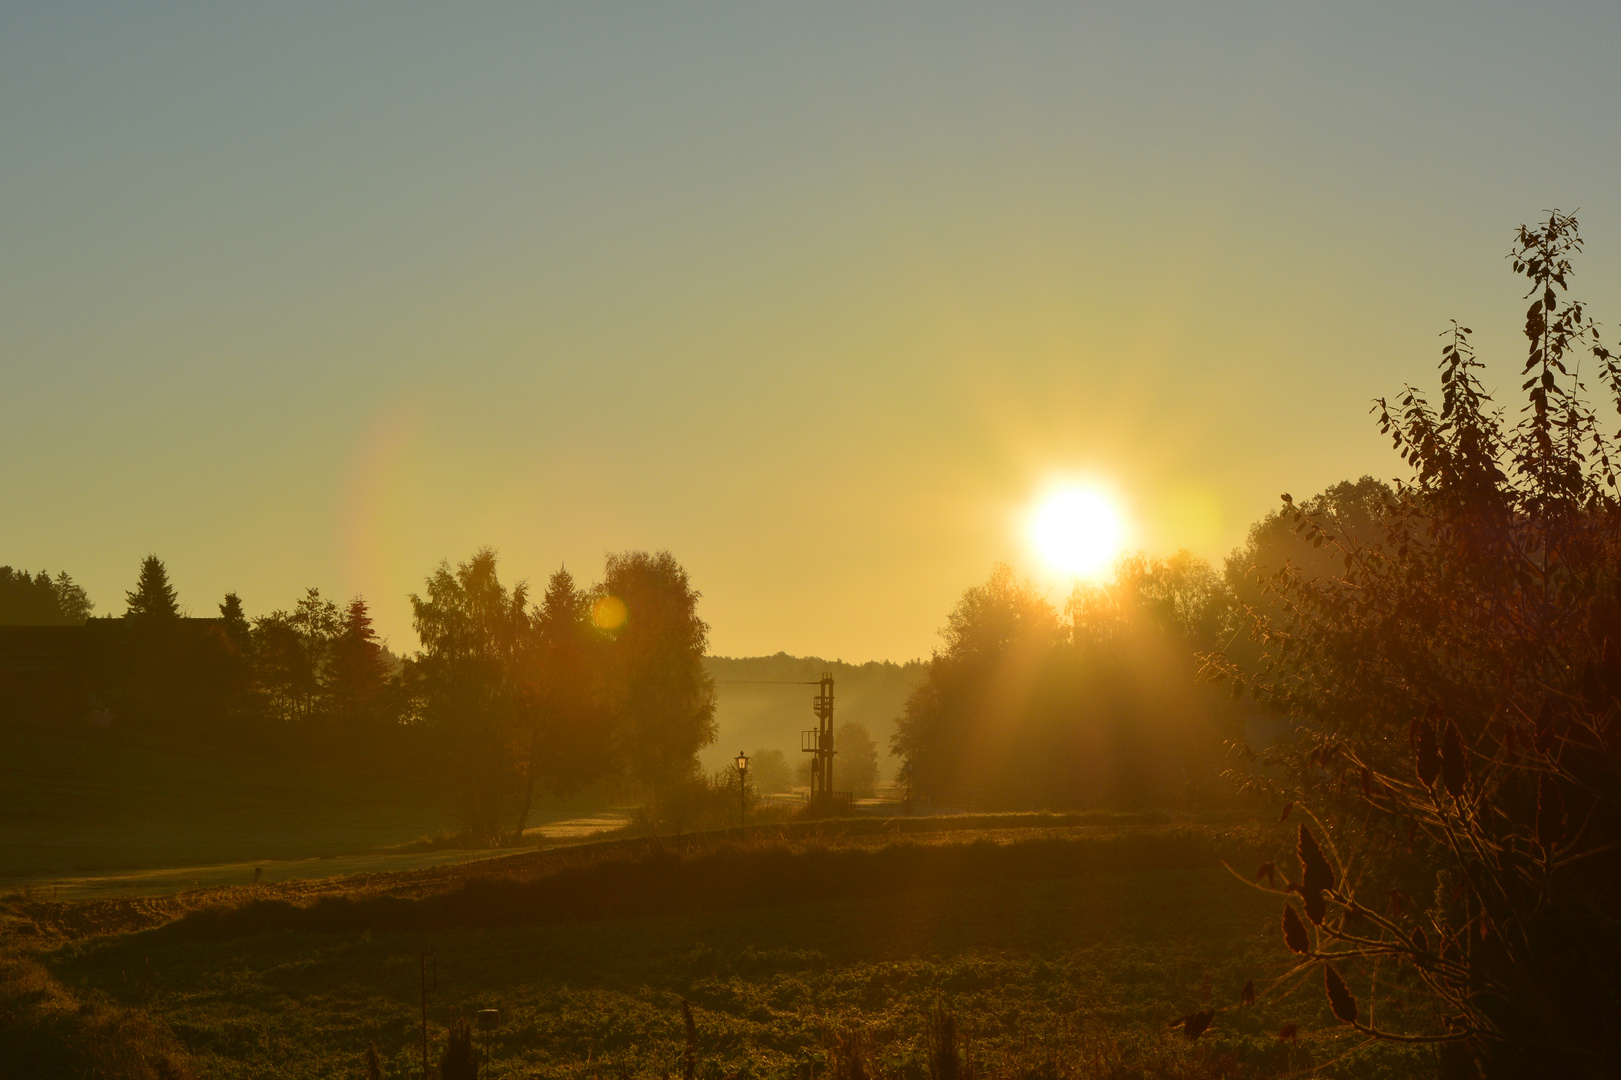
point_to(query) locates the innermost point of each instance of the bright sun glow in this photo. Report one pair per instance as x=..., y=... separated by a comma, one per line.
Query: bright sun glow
x=1078, y=531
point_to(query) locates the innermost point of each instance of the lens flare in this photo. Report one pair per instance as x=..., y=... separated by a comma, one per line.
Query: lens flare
x=609, y=612
x=1078, y=531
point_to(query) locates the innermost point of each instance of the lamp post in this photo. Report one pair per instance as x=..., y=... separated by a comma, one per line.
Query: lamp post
x=742, y=788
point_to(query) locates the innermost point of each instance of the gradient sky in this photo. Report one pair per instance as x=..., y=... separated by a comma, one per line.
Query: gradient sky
x=817, y=296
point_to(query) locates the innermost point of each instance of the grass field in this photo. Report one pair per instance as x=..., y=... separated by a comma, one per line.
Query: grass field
x=1062, y=946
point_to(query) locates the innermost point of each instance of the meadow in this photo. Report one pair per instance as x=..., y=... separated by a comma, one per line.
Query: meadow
x=1063, y=947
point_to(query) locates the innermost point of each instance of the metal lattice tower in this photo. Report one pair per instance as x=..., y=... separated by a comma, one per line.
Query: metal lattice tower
x=819, y=741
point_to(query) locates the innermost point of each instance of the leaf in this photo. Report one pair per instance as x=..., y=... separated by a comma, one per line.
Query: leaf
x=1294, y=932
x=1288, y=1032
x=1421, y=940
x=1286, y=808
x=1339, y=996
x=1269, y=871
x=1247, y=995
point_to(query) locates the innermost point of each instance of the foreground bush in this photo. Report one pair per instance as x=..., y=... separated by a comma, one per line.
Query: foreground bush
x=1455, y=691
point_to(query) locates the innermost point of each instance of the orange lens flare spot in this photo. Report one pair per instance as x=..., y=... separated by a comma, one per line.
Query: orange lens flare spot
x=609, y=613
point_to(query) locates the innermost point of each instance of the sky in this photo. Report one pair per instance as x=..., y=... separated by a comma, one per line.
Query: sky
x=818, y=297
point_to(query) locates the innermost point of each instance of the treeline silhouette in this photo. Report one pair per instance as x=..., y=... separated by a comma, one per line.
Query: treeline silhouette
x=41, y=600
x=505, y=698
x=1102, y=703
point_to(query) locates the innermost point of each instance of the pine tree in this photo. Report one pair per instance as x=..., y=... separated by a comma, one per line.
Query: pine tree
x=357, y=671
x=72, y=601
x=231, y=662
x=237, y=631
x=153, y=596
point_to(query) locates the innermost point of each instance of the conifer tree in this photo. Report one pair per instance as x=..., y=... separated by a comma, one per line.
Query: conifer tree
x=237, y=630
x=357, y=671
x=153, y=597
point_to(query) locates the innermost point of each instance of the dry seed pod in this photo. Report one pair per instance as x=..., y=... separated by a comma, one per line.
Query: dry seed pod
x=1339, y=995
x=1316, y=909
x=1294, y=932
x=1316, y=874
x=1268, y=871
x=1197, y=1025
x=1288, y=1032
x=1247, y=995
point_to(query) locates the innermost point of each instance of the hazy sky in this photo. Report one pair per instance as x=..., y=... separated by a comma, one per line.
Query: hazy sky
x=817, y=296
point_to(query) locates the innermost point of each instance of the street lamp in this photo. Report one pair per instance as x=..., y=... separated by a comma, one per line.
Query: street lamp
x=742, y=787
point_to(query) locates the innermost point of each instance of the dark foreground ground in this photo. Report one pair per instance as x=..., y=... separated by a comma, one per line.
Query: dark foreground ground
x=1062, y=947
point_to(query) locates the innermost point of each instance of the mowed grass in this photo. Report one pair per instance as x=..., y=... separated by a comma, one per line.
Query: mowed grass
x=1062, y=950
x=92, y=812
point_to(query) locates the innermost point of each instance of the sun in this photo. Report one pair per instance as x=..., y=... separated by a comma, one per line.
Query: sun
x=1078, y=531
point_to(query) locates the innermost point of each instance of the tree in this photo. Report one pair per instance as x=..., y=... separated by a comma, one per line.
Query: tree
x=475, y=636
x=356, y=678
x=231, y=671
x=857, y=769
x=235, y=623
x=1019, y=710
x=39, y=600
x=71, y=599
x=770, y=772
x=568, y=742
x=155, y=671
x=1454, y=688
x=153, y=598
x=662, y=699
x=292, y=649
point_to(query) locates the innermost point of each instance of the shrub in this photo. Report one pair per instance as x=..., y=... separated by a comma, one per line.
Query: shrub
x=1455, y=690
